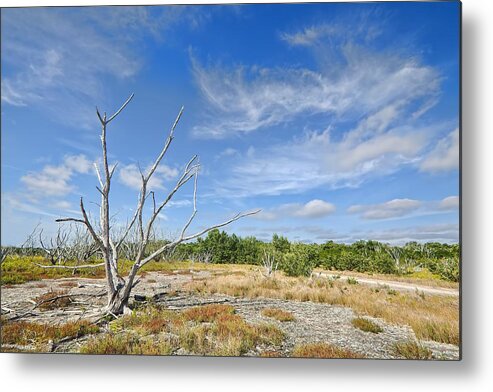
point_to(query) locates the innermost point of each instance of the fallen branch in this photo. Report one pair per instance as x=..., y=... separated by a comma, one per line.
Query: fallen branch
x=71, y=267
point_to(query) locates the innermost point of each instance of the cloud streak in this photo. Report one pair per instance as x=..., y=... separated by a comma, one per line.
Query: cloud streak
x=445, y=155
x=313, y=209
x=398, y=208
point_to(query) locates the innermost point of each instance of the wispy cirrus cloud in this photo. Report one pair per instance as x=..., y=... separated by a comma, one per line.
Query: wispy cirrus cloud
x=244, y=99
x=60, y=60
x=316, y=160
x=444, y=156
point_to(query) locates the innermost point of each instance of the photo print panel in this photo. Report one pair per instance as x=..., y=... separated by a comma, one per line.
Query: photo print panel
x=262, y=180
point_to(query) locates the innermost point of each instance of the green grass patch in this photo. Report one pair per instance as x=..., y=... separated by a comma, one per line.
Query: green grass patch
x=366, y=325
x=412, y=350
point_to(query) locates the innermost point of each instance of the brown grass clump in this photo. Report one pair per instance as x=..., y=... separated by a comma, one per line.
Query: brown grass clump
x=28, y=333
x=366, y=325
x=412, y=350
x=53, y=300
x=435, y=318
x=207, y=313
x=278, y=314
x=323, y=350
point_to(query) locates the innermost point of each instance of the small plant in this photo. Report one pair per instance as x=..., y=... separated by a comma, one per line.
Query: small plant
x=323, y=350
x=420, y=294
x=391, y=292
x=366, y=325
x=352, y=280
x=278, y=314
x=412, y=350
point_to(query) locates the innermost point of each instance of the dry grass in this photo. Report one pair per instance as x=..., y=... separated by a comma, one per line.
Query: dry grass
x=412, y=350
x=206, y=330
x=28, y=333
x=53, y=300
x=434, y=318
x=278, y=314
x=126, y=344
x=271, y=354
x=69, y=284
x=366, y=325
x=323, y=350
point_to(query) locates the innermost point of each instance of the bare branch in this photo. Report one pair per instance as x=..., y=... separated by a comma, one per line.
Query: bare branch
x=194, y=207
x=119, y=110
x=99, y=174
x=166, y=145
x=99, y=116
x=191, y=237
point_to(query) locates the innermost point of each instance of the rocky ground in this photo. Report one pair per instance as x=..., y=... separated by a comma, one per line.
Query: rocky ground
x=313, y=322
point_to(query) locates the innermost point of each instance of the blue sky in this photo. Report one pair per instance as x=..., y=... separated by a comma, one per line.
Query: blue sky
x=340, y=121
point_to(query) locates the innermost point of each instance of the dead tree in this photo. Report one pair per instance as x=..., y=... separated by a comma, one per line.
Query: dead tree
x=119, y=288
x=81, y=246
x=396, y=254
x=269, y=264
x=56, y=249
x=4, y=252
x=29, y=247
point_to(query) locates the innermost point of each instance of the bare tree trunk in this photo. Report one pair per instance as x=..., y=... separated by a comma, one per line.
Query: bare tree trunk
x=119, y=289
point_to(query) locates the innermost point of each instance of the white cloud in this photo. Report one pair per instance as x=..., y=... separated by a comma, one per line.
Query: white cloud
x=398, y=208
x=316, y=160
x=315, y=209
x=228, y=152
x=390, y=209
x=311, y=210
x=449, y=203
x=78, y=163
x=129, y=175
x=56, y=180
x=445, y=155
